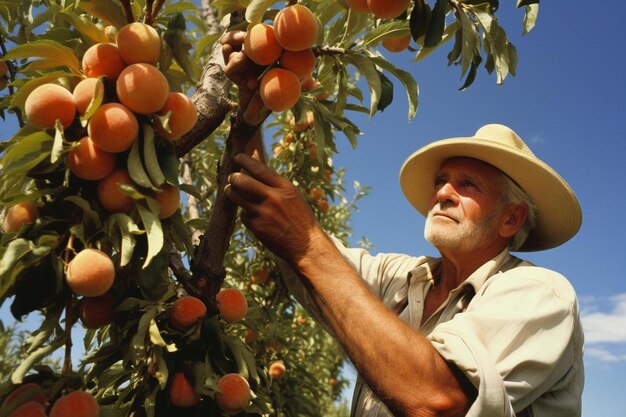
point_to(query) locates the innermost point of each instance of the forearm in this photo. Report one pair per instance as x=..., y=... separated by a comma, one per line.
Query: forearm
x=397, y=362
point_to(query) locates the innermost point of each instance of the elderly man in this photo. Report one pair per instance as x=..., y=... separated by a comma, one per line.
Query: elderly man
x=476, y=332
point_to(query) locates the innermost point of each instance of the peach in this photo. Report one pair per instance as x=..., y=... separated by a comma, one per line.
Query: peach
x=233, y=393
x=29, y=409
x=91, y=273
x=97, y=312
x=182, y=119
x=138, y=42
x=279, y=89
x=76, y=403
x=19, y=215
x=89, y=162
x=324, y=206
x=358, y=5
x=142, y=88
x=181, y=392
x=111, y=196
x=260, y=44
x=47, y=103
x=185, y=312
x=250, y=336
x=296, y=27
x=113, y=128
x=316, y=194
x=277, y=370
x=84, y=93
x=387, y=9
x=232, y=305
x=396, y=43
x=260, y=277
x=103, y=59
x=169, y=200
x=300, y=63
x=28, y=392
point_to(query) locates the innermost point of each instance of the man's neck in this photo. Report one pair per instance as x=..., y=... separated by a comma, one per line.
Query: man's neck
x=457, y=267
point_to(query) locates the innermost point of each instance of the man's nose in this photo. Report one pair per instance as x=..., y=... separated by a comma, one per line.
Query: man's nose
x=446, y=193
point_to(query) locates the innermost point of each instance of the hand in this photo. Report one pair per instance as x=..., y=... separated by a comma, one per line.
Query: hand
x=245, y=74
x=273, y=209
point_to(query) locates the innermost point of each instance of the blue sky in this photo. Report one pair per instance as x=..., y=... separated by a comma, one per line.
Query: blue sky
x=568, y=103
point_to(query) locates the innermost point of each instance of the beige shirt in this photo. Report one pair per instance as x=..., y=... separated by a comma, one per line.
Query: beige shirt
x=512, y=328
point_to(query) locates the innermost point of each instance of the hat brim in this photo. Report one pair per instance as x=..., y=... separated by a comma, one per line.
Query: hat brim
x=559, y=213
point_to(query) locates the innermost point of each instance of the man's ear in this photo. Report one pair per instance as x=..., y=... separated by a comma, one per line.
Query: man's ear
x=514, y=217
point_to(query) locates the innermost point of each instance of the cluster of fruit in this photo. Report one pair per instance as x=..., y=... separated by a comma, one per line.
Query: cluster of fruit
x=286, y=47
x=30, y=400
x=385, y=9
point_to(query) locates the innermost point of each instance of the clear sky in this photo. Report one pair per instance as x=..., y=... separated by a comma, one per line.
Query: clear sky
x=568, y=103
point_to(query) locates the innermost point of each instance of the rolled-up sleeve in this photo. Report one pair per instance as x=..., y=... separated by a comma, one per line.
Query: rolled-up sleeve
x=517, y=339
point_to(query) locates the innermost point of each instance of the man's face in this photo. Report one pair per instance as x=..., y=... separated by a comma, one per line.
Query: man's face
x=465, y=206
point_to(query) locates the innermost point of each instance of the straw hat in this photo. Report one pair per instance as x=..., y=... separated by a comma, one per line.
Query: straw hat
x=559, y=214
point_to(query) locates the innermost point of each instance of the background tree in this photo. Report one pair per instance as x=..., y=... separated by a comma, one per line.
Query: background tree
x=114, y=217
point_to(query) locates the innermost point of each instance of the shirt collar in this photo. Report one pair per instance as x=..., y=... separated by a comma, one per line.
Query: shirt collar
x=426, y=270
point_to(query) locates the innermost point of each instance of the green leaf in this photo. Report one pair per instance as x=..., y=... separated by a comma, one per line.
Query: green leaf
x=530, y=17
x=175, y=37
x=391, y=28
x=168, y=162
x=471, y=41
x=521, y=3
x=471, y=75
x=57, y=145
x=257, y=8
x=419, y=18
x=109, y=11
x=368, y=70
x=410, y=85
x=25, y=154
x=150, y=157
x=96, y=101
x=44, y=48
x=436, y=24
x=90, y=216
x=495, y=42
x=154, y=230
x=447, y=34
x=386, y=95
x=84, y=25
x=127, y=228
x=135, y=166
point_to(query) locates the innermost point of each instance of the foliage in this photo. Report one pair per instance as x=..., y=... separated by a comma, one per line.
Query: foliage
x=128, y=362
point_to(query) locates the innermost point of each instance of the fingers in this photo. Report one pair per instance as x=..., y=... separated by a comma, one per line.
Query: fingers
x=259, y=170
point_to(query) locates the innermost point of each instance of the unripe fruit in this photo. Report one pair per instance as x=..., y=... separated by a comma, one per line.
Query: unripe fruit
x=142, y=88
x=103, y=59
x=47, y=103
x=232, y=305
x=300, y=63
x=185, y=312
x=111, y=196
x=29, y=392
x=113, y=128
x=388, y=9
x=97, y=312
x=169, y=200
x=89, y=162
x=296, y=27
x=181, y=392
x=280, y=89
x=29, y=409
x=358, y=5
x=323, y=204
x=233, y=393
x=19, y=215
x=277, y=370
x=90, y=273
x=76, y=403
x=396, y=43
x=138, y=42
x=260, y=44
x=182, y=119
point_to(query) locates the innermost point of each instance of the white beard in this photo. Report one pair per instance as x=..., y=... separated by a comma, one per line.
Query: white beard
x=460, y=235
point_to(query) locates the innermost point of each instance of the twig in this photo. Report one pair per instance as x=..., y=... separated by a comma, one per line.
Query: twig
x=17, y=110
x=147, y=17
x=128, y=10
x=69, y=316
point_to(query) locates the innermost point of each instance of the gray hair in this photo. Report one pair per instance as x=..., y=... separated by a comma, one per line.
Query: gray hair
x=512, y=193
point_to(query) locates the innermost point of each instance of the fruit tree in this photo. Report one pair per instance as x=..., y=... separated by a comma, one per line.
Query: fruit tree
x=115, y=229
